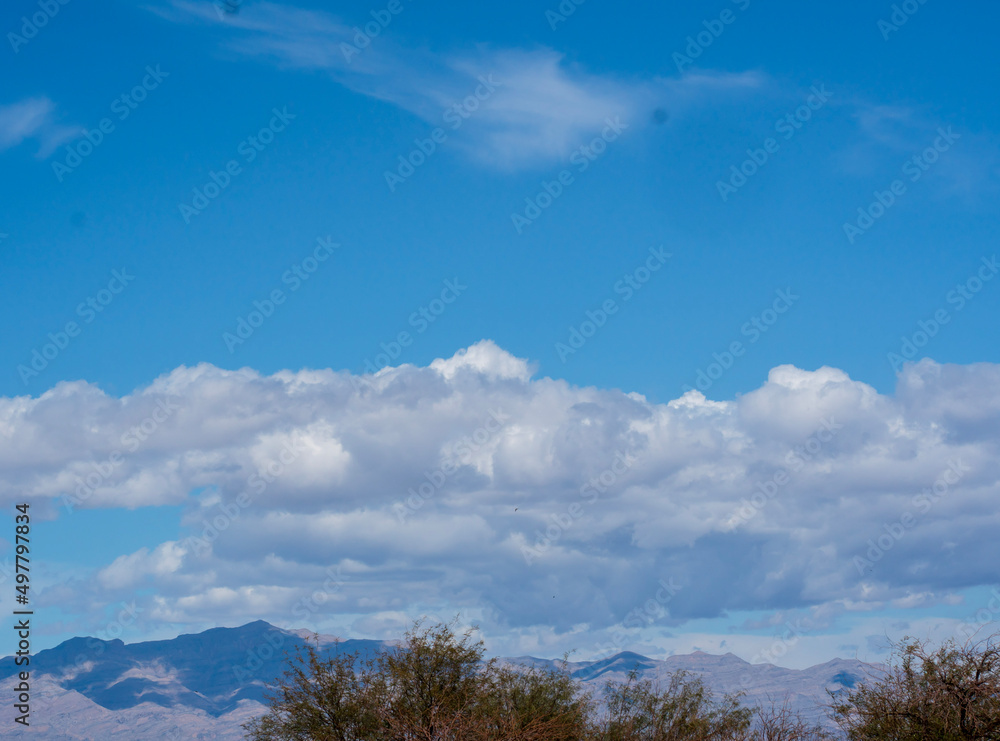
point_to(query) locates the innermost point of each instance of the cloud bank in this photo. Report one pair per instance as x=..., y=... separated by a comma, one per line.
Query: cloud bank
x=472, y=486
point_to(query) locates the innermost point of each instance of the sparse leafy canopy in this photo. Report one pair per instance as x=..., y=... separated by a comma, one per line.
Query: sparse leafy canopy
x=684, y=710
x=436, y=686
x=948, y=694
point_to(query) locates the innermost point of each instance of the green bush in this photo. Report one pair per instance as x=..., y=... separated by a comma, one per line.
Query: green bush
x=437, y=687
x=951, y=693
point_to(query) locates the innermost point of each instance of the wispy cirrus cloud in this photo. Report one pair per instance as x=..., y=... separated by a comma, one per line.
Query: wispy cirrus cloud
x=33, y=119
x=543, y=110
x=888, y=135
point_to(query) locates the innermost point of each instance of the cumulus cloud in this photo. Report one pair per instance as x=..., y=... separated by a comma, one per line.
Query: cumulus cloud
x=127, y=571
x=470, y=485
x=533, y=107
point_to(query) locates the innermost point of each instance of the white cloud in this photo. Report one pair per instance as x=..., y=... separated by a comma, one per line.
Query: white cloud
x=888, y=135
x=33, y=118
x=486, y=359
x=127, y=571
x=853, y=459
x=541, y=110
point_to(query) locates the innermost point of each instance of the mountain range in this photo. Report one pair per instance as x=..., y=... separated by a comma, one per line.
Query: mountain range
x=205, y=685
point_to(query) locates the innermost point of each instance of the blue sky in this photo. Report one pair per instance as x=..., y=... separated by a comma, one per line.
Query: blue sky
x=638, y=122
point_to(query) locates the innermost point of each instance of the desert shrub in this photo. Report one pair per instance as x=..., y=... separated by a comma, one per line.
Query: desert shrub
x=951, y=693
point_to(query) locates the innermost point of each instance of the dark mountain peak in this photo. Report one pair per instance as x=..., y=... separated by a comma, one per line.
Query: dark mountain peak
x=626, y=661
x=727, y=657
x=256, y=626
x=75, y=652
x=629, y=656
x=259, y=623
x=81, y=643
x=213, y=670
x=217, y=671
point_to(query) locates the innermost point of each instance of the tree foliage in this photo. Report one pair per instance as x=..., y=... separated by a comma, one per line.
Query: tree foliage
x=437, y=686
x=951, y=693
x=683, y=710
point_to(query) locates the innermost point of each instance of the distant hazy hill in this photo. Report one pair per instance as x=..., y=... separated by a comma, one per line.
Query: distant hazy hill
x=203, y=686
